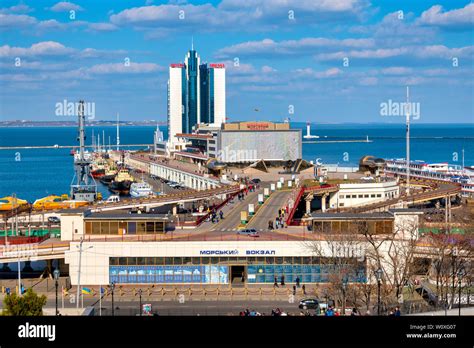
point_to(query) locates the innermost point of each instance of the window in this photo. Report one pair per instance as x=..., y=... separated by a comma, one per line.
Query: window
x=366, y=196
x=354, y=196
x=341, y=204
x=132, y=261
x=150, y=227
x=104, y=227
x=379, y=195
x=114, y=227
x=361, y=196
x=141, y=261
x=95, y=227
x=372, y=196
x=341, y=196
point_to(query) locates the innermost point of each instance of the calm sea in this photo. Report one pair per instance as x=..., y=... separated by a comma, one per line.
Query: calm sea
x=33, y=174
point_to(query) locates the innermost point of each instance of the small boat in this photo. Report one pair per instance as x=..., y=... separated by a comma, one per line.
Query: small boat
x=9, y=203
x=141, y=189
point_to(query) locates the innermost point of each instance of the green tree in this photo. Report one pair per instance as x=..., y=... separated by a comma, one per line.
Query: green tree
x=30, y=304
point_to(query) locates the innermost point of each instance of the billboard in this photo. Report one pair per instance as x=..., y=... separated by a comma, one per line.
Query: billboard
x=250, y=146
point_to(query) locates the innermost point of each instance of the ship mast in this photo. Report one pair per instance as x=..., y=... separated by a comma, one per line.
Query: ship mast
x=407, y=109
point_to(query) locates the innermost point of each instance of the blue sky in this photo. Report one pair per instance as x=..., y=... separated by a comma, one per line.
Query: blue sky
x=328, y=61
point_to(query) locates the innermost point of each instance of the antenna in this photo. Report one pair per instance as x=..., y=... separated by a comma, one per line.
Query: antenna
x=192, y=43
x=407, y=109
x=118, y=133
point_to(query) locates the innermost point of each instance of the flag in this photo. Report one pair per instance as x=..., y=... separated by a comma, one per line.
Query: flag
x=65, y=292
x=86, y=291
x=102, y=290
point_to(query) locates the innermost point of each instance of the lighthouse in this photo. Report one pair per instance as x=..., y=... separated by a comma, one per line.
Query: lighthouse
x=308, y=132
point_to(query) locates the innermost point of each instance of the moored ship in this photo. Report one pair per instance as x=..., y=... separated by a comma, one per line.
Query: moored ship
x=122, y=182
x=141, y=189
x=434, y=171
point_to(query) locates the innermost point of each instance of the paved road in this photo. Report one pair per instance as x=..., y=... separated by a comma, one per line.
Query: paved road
x=269, y=210
x=173, y=307
x=232, y=215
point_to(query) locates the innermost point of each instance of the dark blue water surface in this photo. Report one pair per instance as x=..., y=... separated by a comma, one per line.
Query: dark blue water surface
x=40, y=172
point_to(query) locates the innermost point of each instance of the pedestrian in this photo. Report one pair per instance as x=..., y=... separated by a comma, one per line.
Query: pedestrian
x=329, y=312
x=304, y=289
x=221, y=214
x=298, y=281
x=397, y=311
x=294, y=289
x=283, y=279
x=275, y=284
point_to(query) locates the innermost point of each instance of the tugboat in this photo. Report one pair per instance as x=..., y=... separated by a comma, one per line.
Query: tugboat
x=108, y=176
x=122, y=182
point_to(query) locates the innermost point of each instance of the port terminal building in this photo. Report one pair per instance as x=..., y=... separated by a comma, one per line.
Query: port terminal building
x=242, y=142
x=115, y=249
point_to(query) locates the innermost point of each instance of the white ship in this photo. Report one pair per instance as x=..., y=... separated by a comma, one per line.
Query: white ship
x=434, y=171
x=141, y=189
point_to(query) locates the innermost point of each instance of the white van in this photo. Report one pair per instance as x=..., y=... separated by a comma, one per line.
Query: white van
x=113, y=199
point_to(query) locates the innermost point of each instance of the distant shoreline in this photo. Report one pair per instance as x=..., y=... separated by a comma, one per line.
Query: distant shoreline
x=39, y=124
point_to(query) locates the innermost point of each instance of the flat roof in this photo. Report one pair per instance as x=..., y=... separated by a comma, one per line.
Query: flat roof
x=124, y=216
x=351, y=216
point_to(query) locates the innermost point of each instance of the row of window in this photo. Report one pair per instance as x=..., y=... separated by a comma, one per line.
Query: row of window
x=178, y=261
x=357, y=226
x=125, y=227
x=378, y=195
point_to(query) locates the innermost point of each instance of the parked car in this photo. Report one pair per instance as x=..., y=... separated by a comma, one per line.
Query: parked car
x=309, y=303
x=54, y=220
x=173, y=184
x=251, y=232
x=256, y=181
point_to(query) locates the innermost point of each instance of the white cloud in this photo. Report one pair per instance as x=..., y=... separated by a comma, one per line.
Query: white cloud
x=121, y=68
x=231, y=15
x=20, y=8
x=419, y=52
x=10, y=21
x=267, y=69
x=396, y=70
x=64, y=6
x=463, y=17
x=368, y=81
x=102, y=26
x=290, y=47
x=45, y=48
x=310, y=73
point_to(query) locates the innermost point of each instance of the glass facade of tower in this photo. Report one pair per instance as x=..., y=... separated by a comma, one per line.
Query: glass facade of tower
x=193, y=85
x=197, y=95
x=204, y=76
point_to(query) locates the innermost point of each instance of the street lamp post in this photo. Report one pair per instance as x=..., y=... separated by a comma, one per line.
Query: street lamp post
x=460, y=276
x=140, y=294
x=112, y=287
x=378, y=275
x=345, y=280
x=56, y=278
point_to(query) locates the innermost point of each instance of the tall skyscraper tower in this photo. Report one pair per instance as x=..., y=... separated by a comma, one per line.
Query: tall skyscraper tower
x=196, y=94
